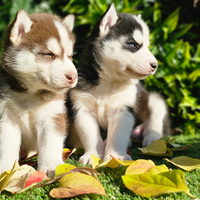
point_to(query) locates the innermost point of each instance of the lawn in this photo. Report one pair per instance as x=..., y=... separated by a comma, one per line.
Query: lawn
x=112, y=182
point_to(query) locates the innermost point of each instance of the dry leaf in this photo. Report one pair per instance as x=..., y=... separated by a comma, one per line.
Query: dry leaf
x=27, y=161
x=75, y=184
x=85, y=170
x=17, y=180
x=185, y=163
x=5, y=177
x=67, y=152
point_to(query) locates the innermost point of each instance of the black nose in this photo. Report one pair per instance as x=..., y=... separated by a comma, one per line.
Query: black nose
x=153, y=65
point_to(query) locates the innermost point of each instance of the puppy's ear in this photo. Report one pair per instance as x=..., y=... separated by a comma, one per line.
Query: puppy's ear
x=69, y=21
x=109, y=20
x=21, y=24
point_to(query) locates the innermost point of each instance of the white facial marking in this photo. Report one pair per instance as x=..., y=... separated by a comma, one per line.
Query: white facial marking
x=138, y=36
x=53, y=46
x=145, y=29
x=66, y=42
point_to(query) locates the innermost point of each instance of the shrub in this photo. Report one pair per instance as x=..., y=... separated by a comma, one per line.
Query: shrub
x=172, y=42
x=178, y=74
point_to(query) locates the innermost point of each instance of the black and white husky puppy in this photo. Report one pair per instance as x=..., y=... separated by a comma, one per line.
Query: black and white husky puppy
x=109, y=97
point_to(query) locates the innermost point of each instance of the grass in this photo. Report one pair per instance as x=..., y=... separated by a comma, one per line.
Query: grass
x=112, y=182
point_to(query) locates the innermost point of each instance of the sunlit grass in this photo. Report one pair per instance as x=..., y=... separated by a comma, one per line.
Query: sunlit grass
x=112, y=182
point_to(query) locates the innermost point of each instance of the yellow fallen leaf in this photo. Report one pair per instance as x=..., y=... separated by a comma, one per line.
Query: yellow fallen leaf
x=156, y=147
x=153, y=185
x=109, y=163
x=128, y=162
x=77, y=184
x=119, y=161
x=63, y=168
x=85, y=170
x=158, y=169
x=139, y=166
x=5, y=177
x=97, y=162
x=185, y=163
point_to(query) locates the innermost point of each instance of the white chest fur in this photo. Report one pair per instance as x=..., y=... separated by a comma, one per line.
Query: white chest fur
x=104, y=100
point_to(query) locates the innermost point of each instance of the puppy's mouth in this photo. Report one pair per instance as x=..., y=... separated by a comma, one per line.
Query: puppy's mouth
x=132, y=73
x=58, y=88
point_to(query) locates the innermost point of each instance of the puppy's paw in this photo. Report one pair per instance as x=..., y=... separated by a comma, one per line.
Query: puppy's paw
x=86, y=158
x=121, y=157
x=152, y=136
x=49, y=169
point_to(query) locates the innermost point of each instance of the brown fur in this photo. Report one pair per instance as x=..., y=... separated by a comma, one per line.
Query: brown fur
x=142, y=111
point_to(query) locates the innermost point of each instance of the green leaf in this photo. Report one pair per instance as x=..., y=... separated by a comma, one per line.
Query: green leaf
x=182, y=32
x=196, y=57
x=172, y=21
x=153, y=185
x=157, y=13
x=173, y=52
x=194, y=75
x=197, y=114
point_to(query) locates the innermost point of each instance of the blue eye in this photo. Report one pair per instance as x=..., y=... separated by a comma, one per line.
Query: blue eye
x=132, y=44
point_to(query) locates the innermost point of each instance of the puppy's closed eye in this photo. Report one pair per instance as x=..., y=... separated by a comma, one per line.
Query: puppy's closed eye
x=46, y=56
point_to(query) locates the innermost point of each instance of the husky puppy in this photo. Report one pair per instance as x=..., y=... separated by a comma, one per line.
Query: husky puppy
x=36, y=70
x=108, y=97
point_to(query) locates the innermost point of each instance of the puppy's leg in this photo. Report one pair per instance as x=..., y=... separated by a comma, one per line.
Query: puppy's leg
x=119, y=130
x=89, y=133
x=50, y=143
x=10, y=140
x=157, y=125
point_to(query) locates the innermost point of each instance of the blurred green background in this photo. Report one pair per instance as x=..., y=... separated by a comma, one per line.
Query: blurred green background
x=175, y=41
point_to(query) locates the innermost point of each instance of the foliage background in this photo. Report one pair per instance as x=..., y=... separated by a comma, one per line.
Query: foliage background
x=175, y=41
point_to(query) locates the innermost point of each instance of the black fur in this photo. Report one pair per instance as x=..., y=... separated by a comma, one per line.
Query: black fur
x=88, y=67
x=71, y=112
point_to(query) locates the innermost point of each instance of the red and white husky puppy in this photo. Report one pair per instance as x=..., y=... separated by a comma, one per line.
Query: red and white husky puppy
x=36, y=70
